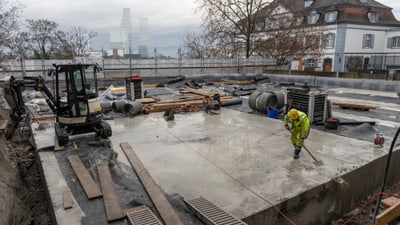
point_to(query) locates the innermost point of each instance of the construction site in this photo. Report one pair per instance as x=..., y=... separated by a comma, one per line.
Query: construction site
x=198, y=149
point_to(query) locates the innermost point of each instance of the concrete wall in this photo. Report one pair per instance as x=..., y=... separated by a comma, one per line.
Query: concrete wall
x=332, y=200
x=374, y=85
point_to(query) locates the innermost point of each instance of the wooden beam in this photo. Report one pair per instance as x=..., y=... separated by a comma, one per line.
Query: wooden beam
x=390, y=201
x=44, y=117
x=200, y=92
x=353, y=105
x=89, y=186
x=112, y=204
x=388, y=215
x=159, y=200
x=67, y=198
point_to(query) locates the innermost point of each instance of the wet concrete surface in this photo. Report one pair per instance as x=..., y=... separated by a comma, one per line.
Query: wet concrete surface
x=241, y=162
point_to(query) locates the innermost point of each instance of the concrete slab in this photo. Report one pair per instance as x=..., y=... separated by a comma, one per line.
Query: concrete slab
x=239, y=161
x=43, y=134
x=56, y=184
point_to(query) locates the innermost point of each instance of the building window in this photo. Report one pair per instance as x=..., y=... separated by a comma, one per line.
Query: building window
x=368, y=41
x=329, y=40
x=313, y=17
x=310, y=64
x=393, y=42
x=373, y=17
x=331, y=16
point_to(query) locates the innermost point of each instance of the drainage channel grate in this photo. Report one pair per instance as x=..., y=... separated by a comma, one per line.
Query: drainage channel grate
x=211, y=214
x=143, y=216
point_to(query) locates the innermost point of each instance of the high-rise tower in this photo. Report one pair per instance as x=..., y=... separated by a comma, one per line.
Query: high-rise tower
x=121, y=38
x=143, y=37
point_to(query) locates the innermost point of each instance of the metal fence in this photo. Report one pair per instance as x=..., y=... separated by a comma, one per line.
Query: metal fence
x=117, y=68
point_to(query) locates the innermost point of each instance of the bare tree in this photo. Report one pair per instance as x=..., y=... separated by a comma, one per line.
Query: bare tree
x=65, y=49
x=201, y=46
x=9, y=13
x=232, y=23
x=79, y=39
x=20, y=45
x=195, y=45
x=43, y=37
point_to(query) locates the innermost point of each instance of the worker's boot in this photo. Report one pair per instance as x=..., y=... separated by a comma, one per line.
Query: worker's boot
x=297, y=151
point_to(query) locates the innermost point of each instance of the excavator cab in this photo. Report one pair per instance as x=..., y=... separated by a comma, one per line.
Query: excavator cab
x=77, y=102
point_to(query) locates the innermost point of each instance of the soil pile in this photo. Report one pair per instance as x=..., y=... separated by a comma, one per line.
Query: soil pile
x=22, y=194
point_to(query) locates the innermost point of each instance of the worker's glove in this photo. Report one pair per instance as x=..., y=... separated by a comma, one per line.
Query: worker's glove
x=287, y=127
x=301, y=142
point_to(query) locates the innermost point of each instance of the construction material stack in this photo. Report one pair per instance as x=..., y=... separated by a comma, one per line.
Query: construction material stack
x=134, y=87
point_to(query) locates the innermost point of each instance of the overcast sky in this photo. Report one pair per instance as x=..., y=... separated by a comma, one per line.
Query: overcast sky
x=169, y=20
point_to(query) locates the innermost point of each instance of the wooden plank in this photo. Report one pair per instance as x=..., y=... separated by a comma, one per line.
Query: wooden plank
x=112, y=204
x=388, y=215
x=200, y=92
x=44, y=117
x=89, y=186
x=67, y=198
x=163, y=207
x=390, y=201
x=354, y=105
x=146, y=100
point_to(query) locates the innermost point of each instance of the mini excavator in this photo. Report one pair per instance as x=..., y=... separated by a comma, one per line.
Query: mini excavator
x=75, y=101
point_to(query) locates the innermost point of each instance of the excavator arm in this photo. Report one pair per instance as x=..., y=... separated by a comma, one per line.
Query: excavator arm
x=14, y=88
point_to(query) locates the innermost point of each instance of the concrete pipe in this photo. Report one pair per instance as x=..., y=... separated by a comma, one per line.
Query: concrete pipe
x=266, y=100
x=133, y=108
x=231, y=102
x=106, y=107
x=280, y=96
x=118, y=106
x=253, y=99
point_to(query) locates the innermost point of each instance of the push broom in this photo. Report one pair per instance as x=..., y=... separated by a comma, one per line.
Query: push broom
x=316, y=161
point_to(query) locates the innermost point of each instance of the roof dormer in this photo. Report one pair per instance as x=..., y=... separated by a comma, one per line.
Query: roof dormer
x=373, y=16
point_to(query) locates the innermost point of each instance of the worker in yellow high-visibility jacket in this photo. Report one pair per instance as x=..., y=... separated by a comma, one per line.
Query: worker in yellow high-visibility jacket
x=300, y=128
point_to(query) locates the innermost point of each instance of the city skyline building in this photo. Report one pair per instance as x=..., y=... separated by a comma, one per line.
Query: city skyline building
x=143, y=48
x=121, y=37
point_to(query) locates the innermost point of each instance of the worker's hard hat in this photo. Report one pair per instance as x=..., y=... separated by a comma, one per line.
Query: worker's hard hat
x=293, y=114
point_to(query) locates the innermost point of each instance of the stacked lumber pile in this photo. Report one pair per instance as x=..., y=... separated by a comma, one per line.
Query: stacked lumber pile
x=195, y=103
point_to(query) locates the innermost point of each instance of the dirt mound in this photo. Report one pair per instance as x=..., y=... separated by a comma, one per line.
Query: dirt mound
x=22, y=194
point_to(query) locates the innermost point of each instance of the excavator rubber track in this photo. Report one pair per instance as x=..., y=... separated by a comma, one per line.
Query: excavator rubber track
x=61, y=133
x=103, y=129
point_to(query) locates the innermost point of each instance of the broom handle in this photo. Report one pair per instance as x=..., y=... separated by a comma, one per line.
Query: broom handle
x=312, y=156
